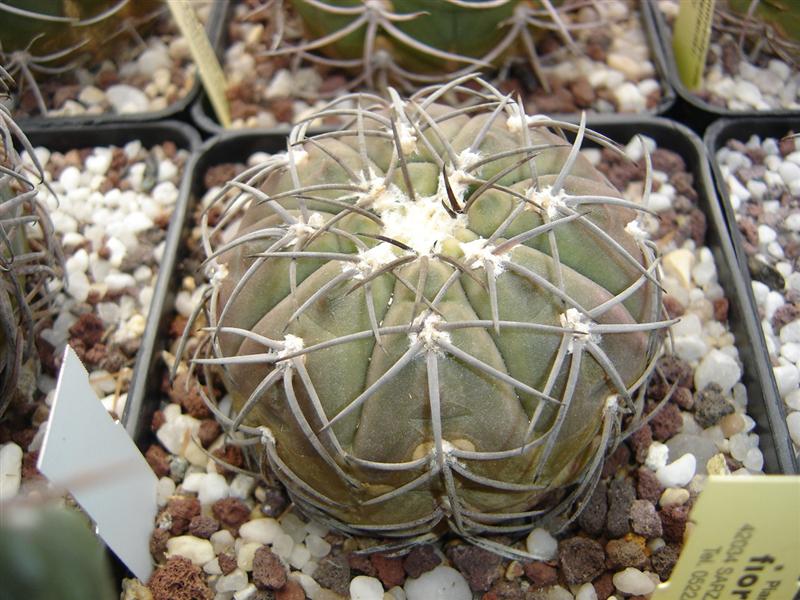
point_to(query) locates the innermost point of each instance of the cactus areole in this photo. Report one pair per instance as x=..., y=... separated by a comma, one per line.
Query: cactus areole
x=432, y=314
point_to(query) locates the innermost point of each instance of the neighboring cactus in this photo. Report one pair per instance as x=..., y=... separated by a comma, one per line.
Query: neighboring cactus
x=48, y=553
x=28, y=255
x=431, y=314
x=49, y=37
x=415, y=42
x=772, y=22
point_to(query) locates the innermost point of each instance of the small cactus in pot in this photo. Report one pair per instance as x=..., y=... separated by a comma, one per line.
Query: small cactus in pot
x=29, y=256
x=50, y=37
x=410, y=43
x=432, y=315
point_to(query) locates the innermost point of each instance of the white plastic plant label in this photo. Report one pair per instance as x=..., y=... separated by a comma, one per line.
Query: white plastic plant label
x=89, y=454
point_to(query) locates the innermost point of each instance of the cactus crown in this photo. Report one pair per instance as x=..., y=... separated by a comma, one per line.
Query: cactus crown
x=431, y=314
x=409, y=43
x=29, y=254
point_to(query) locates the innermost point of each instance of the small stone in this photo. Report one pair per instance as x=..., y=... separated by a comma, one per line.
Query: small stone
x=227, y=563
x=541, y=574
x=657, y=456
x=233, y=582
x=291, y=591
x=625, y=553
x=179, y=579
x=679, y=472
x=268, y=571
x=644, y=519
x=720, y=368
x=197, y=550
x=390, y=570
x=366, y=588
x=633, y=581
x=673, y=522
x=420, y=560
x=541, y=544
x=333, y=572
x=10, y=470
x=581, y=559
x=478, y=566
x=586, y=592
x=222, y=540
x=263, y=531
x=663, y=560
x=593, y=517
x=621, y=495
x=127, y=99
x=647, y=485
x=442, y=583
x=666, y=422
x=203, y=527
x=674, y=497
x=231, y=512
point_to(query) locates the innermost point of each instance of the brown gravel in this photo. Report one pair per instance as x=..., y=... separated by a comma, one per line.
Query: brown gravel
x=268, y=571
x=231, y=513
x=420, y=560
x=540, y=574
x=179, y=579
x=581, y=559
x=389, y=568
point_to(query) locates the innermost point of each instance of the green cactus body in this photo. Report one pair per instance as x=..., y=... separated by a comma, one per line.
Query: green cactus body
x=412, y=42
x=51, y=553
x=434, y=314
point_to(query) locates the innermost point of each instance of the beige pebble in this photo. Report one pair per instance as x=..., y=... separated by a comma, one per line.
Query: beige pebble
x=731, y=424
x=717, y=465
x=673, y=496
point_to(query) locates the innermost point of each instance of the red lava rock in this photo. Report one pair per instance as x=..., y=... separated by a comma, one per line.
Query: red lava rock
x=505, y=590
x=208, y=432
x=668, y=161
x=621, y=456
x=540, y=574
x=291, y=591
x=29, y=470
x=362, y=564
x=673, y=522
x=478, y=566
x=625, y=553
x=640, y=441
x=593, y=517
x=604, y=586
x=89, y=329
x=158, y=543
x=583, y=92
x=581, y=560
x=683, y=398
x=283, y=109
x=721, y=306
x=221, y=174
x=666, y=423
x=390, y=570
x=710, y=405
x=231, y=513
x=674, y=308
x=621, y=495
x=675, y=369
x=182, y=509
x=157, y=421
x=647, y=486
x=189, y=397
x=783, y=316
x=333, y=573
x=268, y=571
x=645, y=520
x=158, y=459
x=229, y=455
x=227, y=563
x=420, y=560
x=203, y=527
x=179, y=579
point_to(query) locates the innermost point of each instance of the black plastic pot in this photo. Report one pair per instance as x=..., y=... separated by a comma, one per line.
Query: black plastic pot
x=764, y=402
x=691, y=108
x=213, y=29
x=206, y=120
x=715, y=138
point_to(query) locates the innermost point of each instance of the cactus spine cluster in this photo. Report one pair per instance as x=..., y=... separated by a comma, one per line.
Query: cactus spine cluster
x=431, y=315
x=409, y=43
x=29, y=255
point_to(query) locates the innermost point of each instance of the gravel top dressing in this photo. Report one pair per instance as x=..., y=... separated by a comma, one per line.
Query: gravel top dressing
x=737, y=81
x=613, y=69
x=148, y=75
x=763, y=180
x=226, y=531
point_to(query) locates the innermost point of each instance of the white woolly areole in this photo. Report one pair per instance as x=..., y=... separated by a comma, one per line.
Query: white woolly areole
x=550, y=203
x=421, y=224
x=371, y=260
x=298, y=156
x=267, y=437
x=301, y=228
x=407, y=138
x=291, y=344
x=580, y=325
x=216, y=273
x=514, y=122
x=467, y=158
x=636, y=231
x=478, y=251
x=429, y=335
x=611, y=404
x=379, y=197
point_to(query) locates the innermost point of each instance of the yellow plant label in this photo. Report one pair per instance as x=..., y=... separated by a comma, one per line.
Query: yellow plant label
x=745, y=544
x=204, y=57
x=690, y=38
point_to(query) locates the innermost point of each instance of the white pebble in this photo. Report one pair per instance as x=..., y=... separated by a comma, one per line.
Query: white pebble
x=164, y=489
x=152, y=59
x=197, y=550
x=657, y=456
x=317, y=546
x=300, y=556
x=232, y=582
x=679, y=472
x=541, y=544
x=280, y=86
x=766, y=234
x=247, y=592
x=213, y=488
x=792, y=400
x=773, y=302
x=633, y=581
x=791, y=332
x=717, y=367
x=245, y=554
x=793, y=422
x=366, y=588
x=221, y=540
x=70, y=178
x=753, y=460
x=586, y=592
x=787, y=377
x=442, y=583
x=263, y=531
x=674, y=496
x=127, y=99
x=10, y=470
x=283, y=546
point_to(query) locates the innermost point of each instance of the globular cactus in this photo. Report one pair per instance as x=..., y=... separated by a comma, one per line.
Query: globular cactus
x=432, y=314
x=409, y=43
x=29, y=256
x=775, y=23
x=49, y=37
